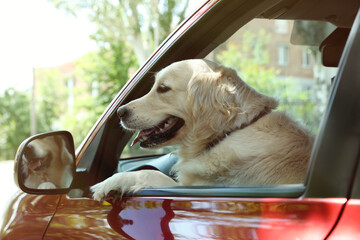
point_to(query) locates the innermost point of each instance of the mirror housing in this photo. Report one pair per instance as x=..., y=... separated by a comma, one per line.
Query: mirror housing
x=45, y=163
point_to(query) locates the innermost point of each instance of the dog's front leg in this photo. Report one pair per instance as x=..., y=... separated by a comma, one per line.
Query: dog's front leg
x=130, y=182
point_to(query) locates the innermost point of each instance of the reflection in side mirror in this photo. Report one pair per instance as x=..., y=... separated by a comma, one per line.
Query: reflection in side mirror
x=45, y=161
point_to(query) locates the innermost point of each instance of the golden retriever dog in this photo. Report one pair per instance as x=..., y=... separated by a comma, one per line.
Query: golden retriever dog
x=47, y=163
x=227, y=132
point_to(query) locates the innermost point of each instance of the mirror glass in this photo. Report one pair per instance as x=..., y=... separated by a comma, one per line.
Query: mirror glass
x=47, y=162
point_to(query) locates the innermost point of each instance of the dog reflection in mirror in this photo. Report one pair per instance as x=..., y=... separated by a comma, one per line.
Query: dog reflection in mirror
x=47, y=163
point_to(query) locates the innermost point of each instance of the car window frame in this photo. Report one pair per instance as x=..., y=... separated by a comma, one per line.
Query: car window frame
x=339, y=127
x=179, y=46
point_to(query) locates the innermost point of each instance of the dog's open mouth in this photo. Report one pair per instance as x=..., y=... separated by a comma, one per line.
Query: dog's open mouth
x=159, y=134
x=38, y=164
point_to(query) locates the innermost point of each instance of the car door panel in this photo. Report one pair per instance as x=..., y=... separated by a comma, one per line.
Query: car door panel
x=29, y=212
x=195, y=218
x=349, y=223
x=81, y=218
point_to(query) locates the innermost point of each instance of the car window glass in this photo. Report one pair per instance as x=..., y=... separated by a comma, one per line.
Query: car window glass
x=281, y=59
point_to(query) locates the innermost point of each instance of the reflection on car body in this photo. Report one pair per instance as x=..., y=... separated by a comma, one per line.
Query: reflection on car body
x=47, y=163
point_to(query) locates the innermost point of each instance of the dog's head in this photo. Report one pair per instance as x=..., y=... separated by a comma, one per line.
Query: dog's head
x=43, y=154
x=193, y=102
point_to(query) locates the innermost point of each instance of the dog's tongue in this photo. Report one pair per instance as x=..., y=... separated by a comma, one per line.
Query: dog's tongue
x=141, y=134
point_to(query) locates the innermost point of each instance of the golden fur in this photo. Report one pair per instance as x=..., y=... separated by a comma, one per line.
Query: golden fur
x=217, y=107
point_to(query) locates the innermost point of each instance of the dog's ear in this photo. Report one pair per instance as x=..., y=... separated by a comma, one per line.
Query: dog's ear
x=212, y=96
x=65, y=155
x=224, y=92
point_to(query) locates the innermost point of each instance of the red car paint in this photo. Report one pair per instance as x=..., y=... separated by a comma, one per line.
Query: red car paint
x=348, y=227
x=28, y=216
x=195, y=218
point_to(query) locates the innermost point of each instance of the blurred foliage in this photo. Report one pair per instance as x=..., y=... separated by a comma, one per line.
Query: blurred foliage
x=106, y=71
x=251, y=61
x=127, y=32
x=51, y=91
x=14, y=121
x=98, y=78
x=143, y=24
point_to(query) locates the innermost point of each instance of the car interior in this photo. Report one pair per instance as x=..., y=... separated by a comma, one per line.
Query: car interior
x=103, y=155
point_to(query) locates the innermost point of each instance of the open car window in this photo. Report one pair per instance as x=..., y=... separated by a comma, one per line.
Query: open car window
x=279, y=58
x=134, y=151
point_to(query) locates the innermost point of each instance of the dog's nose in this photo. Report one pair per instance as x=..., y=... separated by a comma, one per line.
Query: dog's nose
x=122, y=112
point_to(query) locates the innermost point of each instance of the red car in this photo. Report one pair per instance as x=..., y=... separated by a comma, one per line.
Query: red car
x=326, y=206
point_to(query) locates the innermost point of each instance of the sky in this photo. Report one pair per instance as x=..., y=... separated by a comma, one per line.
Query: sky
x=35, y=34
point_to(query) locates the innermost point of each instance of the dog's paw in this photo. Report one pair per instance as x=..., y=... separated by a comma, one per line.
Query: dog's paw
x=119, y=184
x=129, y=182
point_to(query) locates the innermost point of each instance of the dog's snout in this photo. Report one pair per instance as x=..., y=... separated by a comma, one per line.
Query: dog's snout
x=122, y=112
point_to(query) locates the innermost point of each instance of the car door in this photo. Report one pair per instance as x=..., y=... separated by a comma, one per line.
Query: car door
x=28, y=212
x=301, y=211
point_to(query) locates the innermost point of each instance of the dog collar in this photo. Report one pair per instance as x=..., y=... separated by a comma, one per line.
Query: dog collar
x=222, y=137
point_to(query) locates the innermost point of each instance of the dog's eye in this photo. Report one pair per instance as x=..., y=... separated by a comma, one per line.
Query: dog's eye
x=163, y=89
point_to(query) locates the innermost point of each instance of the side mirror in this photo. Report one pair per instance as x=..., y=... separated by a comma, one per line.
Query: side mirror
x=45, y=163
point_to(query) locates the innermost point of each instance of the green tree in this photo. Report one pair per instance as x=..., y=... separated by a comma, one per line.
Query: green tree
x=14, y=121
x=144, y=24
x=98, y=77
x=105, y=71
x=15, y=110
x=51, y=95
x=127, y=32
